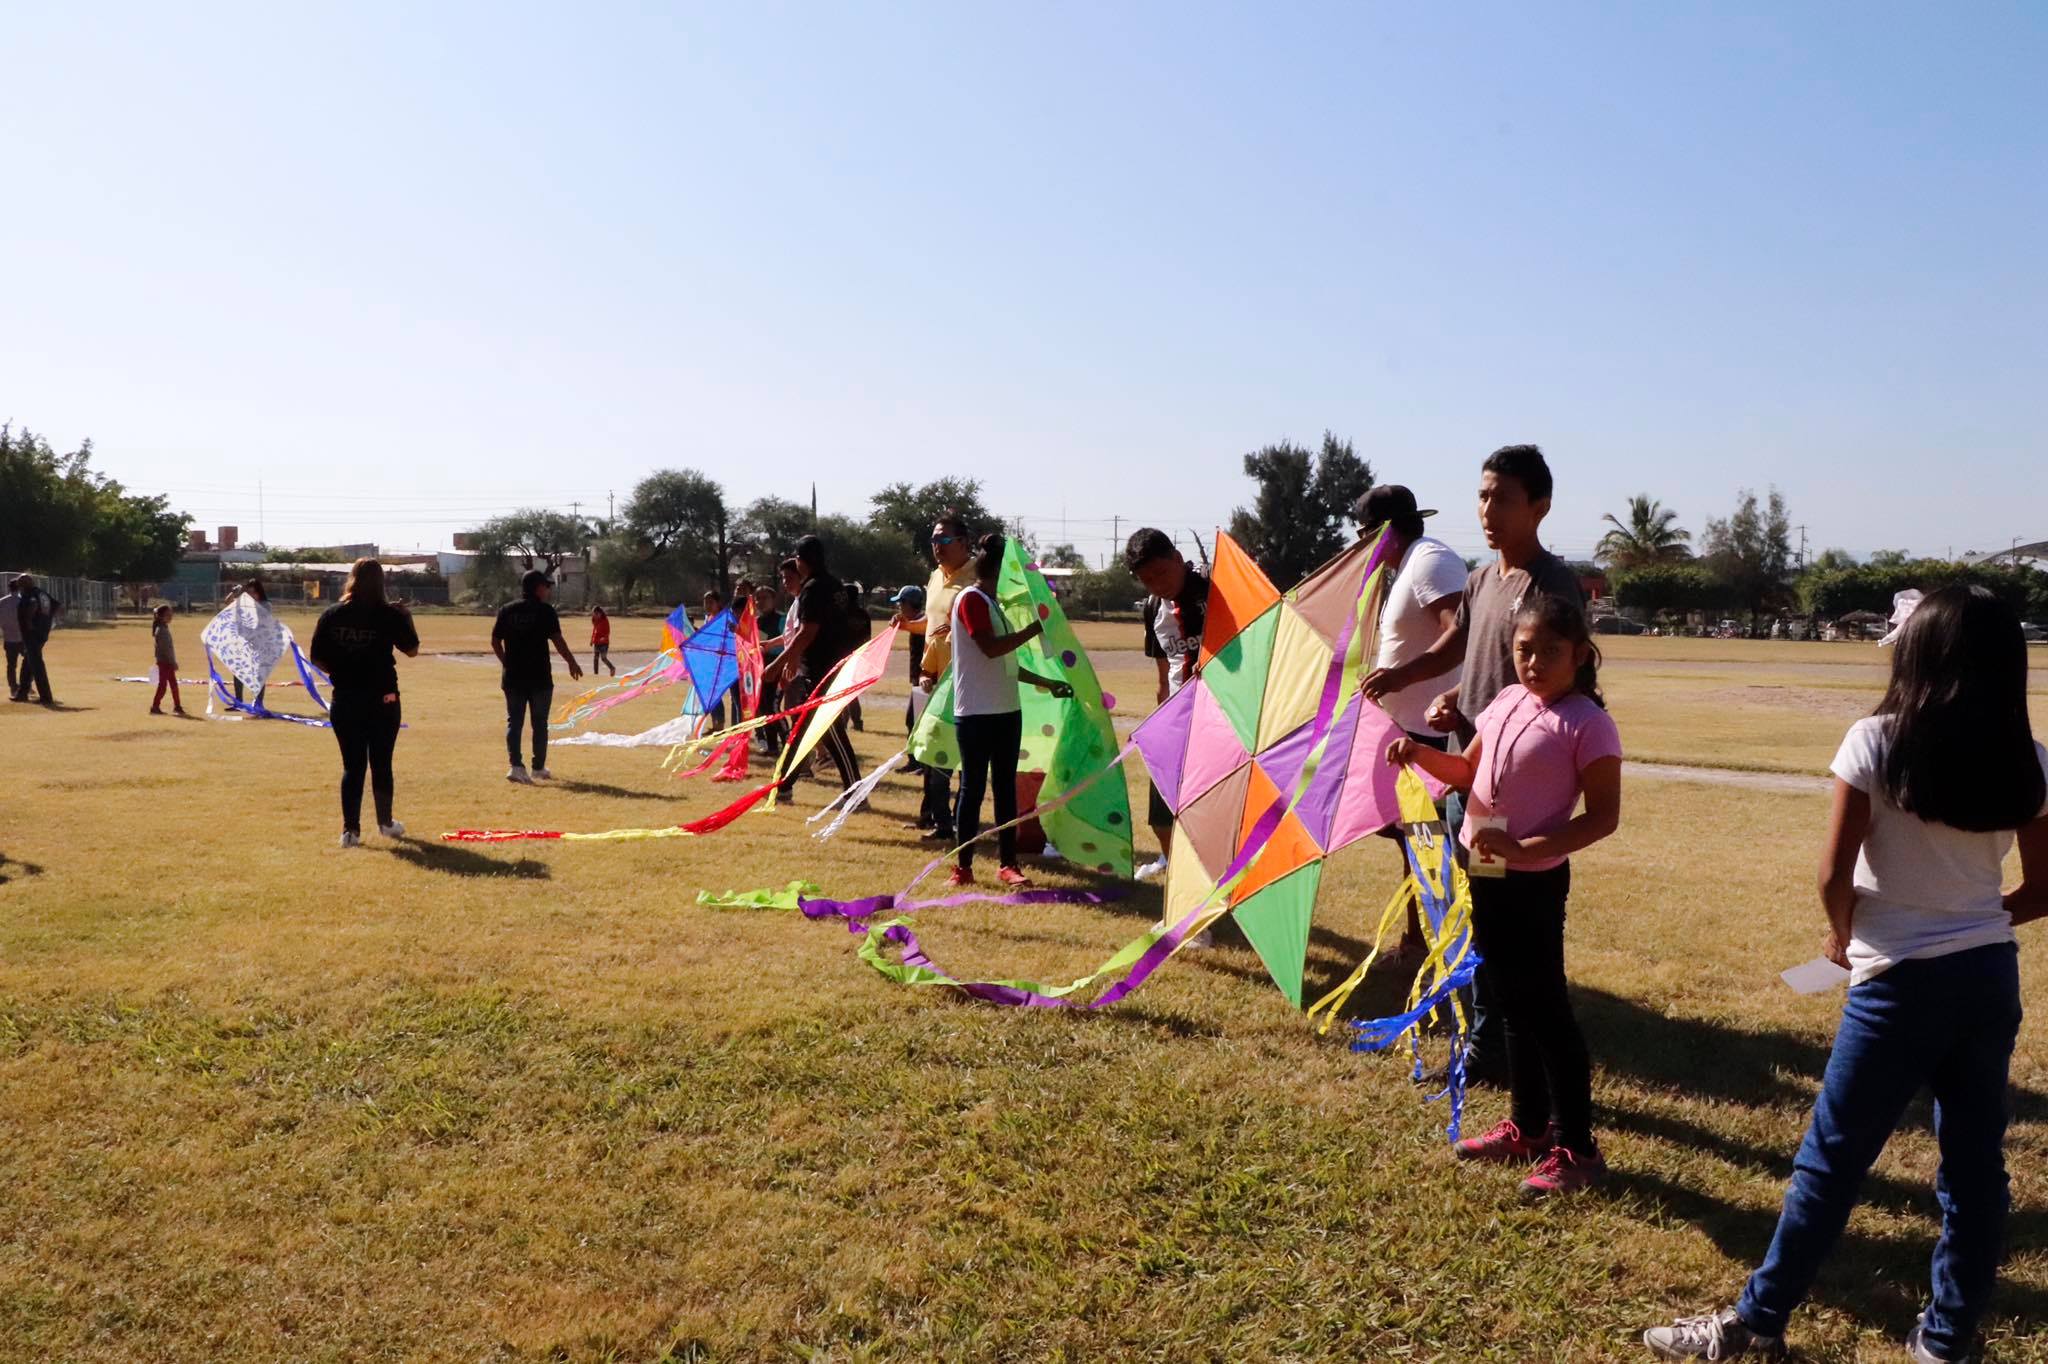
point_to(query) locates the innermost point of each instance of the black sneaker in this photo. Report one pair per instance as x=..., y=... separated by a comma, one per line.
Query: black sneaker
x=1718, y=1335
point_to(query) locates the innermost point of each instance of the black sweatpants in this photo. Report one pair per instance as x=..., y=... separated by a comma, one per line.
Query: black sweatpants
x=834, y=745
x=34, y=673
x=988, y=753
x=520, y=703
x=1518, y=927
x=366, y=727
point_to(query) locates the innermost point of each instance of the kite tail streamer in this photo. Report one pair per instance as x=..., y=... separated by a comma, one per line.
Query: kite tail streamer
x=711, y=823
x=219, y=688
x=856, y=795
x=790, y=897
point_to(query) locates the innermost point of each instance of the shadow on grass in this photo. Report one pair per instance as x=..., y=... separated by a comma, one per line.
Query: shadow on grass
x=1878, y=1280
x=454, y=860
x=11, y=870
x=601, y=788
x=1778, y=1070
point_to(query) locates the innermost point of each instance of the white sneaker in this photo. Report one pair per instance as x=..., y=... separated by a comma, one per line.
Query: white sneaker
x=518, y=774
x=1051, y=854
x=542, y=774
x=351, y=839
x=392, y=830
x=1151, y=869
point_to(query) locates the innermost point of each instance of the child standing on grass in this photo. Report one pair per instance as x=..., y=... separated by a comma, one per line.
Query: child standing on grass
x=987, y=713
x=166, y=662
x=1930, y=793
x=1544, y=742
x=601, y=642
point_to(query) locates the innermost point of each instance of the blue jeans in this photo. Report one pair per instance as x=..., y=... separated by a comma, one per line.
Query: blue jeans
x=1947, y=1023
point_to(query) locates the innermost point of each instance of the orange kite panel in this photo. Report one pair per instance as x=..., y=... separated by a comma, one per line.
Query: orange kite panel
x=1238, y=592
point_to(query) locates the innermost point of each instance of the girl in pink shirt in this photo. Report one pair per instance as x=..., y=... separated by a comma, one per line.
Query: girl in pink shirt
x=1541, y=746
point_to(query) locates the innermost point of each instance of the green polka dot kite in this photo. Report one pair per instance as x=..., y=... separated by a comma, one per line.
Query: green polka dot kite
x=1075, y=736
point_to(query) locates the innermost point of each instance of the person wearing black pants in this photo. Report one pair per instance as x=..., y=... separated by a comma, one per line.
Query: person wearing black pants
x=520, y=637
x=817, y=637
x=367, y=730
x=1519, y=919
x=988, y=715
x=988, y=756
x=353, y=645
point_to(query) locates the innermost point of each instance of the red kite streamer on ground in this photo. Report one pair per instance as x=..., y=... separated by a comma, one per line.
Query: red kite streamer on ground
x=855, y=673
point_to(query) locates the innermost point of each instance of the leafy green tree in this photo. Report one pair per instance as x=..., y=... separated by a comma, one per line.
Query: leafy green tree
x=49, y=503
x=1750, y=551
x=1659, y=589
x=680, y=516
x=874, y=556
x=766, y=531
x=1063, y=556
x=1303, y=506
x=910, y=512
x=135, y=540
x=1650, y=535
x=1830, y=560
x=536, y=535
x=1890, y=558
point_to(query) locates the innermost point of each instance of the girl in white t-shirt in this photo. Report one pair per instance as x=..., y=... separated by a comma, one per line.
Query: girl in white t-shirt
x=987, y=715
x=1929, y=795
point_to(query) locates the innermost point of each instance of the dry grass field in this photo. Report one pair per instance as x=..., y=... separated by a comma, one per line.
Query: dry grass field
x=262, y=1098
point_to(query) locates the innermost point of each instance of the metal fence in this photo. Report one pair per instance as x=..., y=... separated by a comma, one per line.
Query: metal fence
x=86, y=602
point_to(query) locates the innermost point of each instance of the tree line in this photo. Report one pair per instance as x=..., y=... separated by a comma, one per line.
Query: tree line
x=59, y=516
x=678, y=536
x=1745, y=566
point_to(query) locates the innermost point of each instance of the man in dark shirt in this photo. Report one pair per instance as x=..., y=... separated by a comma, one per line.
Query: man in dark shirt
x=818, y=636
x=1514, y=496
x=37, y=611
x=520, y=638
x=1175, y=614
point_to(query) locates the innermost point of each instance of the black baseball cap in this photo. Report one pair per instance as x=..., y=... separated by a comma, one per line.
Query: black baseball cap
x=1388, y=502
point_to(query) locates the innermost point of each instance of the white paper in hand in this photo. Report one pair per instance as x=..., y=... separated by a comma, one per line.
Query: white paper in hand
x=1815, y=977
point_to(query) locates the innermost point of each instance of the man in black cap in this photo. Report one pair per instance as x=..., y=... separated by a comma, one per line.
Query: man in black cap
x=1421, y=604
x=520, y=637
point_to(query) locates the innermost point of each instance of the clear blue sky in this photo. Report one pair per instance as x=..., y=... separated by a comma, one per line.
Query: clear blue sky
x=414, y=264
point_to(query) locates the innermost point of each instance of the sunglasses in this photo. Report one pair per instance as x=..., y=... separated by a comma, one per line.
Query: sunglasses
x=944, y=539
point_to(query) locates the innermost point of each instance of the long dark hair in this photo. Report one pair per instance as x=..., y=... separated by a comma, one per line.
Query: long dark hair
x=1567, y=620
x=1960, y=749
x=365, y=583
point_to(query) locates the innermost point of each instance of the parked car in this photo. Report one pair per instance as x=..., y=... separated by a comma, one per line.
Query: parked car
x=1615, y=625
x=2036, y=634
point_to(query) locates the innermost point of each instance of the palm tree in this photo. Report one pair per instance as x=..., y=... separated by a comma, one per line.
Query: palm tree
x=1651, y=535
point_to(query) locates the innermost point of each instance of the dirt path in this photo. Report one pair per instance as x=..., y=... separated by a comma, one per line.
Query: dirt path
x=1724, y=776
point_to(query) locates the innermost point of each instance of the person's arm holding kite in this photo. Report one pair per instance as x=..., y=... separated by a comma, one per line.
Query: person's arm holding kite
x=792, y=649
x=1458, y=770
x=1447, y=653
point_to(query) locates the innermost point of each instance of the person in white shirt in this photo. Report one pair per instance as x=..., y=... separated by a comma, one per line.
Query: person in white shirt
x=1421, y=605
x=987, y=714
x=1931, y=793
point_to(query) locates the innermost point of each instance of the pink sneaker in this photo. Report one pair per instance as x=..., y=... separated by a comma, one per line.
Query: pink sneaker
x=1564, y=1172
x=960, y=877
x=1504, y=1144
x=1011, y=876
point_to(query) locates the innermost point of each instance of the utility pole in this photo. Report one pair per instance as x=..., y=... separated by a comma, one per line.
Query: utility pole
x=611, y=506
x=1116, y=539
x=264, y=535
x=1802, y=549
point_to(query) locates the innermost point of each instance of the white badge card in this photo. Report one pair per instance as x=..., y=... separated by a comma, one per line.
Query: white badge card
x=1477, y=865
